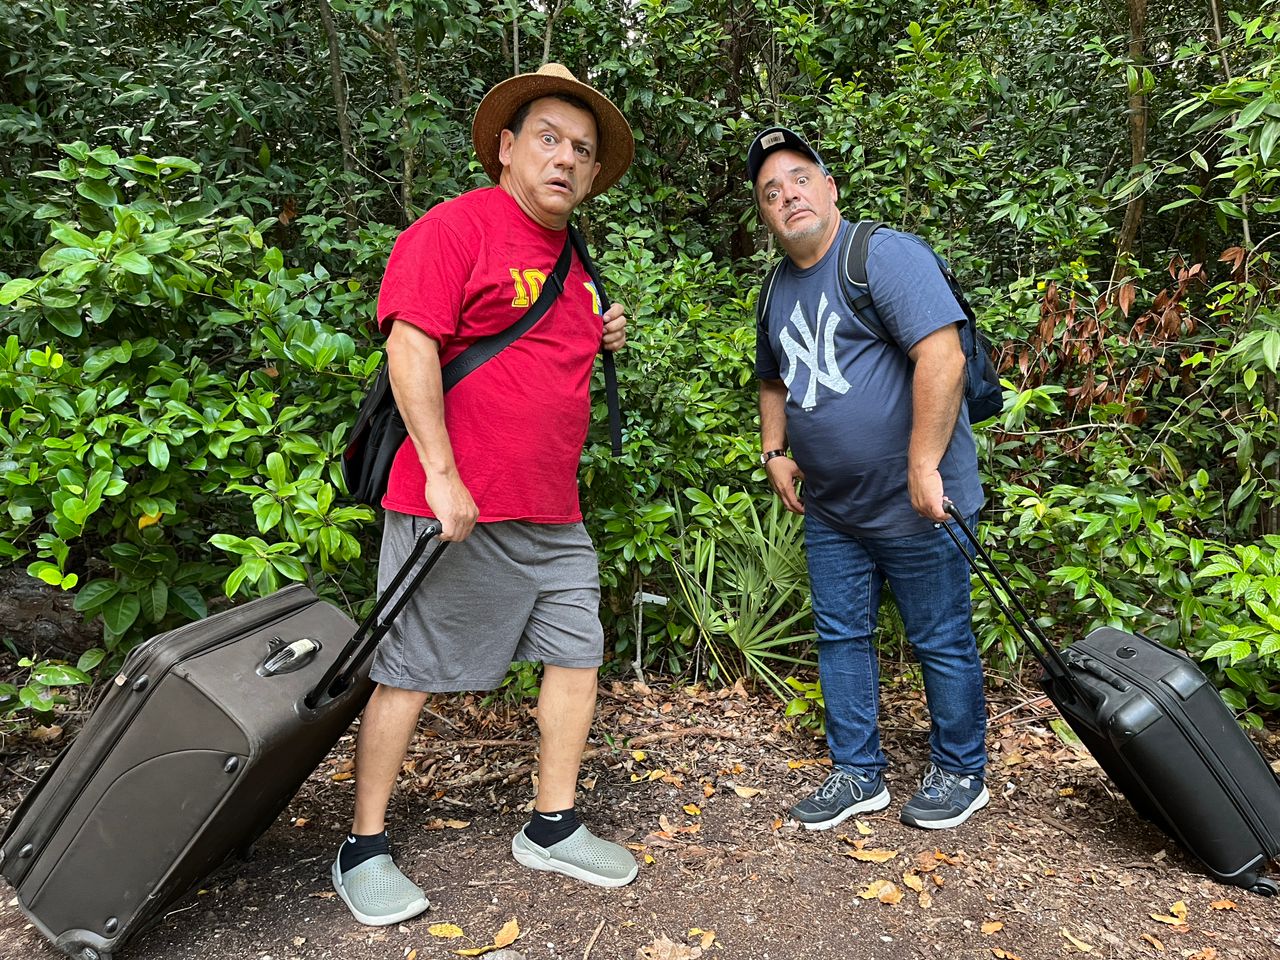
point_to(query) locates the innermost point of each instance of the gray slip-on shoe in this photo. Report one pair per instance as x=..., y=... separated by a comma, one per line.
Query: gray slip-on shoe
x=377, y=893
x=581, y=855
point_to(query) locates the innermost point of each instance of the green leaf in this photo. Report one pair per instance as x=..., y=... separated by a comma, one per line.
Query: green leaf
x=36, y=697
x=188, y=601
x=154, y=600
x=90, y=659
x=158, y=453
x=14, y=289
x=121, y=613
x=59, y=675
x=133, y=262
x=98, y=192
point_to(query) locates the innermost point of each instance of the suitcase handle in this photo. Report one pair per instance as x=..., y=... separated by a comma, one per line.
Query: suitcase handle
x=1046, y=653
x=362, y=643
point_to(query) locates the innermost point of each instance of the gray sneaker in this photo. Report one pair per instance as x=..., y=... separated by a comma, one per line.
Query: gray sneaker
x=581, y=855
x=841, y=795
x=944, y=800
x=377, y=893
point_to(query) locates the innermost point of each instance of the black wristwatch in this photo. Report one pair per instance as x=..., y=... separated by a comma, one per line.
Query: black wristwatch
x=770, y=454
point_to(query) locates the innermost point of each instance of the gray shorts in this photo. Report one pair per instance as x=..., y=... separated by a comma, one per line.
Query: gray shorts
x=510, y=591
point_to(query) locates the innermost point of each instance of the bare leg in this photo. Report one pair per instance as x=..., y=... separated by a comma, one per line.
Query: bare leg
x=385, y=731
x=565, y=708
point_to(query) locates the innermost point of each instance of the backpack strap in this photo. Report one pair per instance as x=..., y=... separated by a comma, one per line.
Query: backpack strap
x=610, y=368
x=766, y=290
x=853, y=275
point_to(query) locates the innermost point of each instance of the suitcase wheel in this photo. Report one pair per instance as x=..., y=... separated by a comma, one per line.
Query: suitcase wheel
x=1265, y=887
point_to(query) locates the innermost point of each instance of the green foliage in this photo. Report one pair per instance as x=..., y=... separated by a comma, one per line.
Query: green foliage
x=188, y=284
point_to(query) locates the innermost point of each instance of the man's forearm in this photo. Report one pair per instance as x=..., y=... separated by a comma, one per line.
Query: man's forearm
x=937, y=390
x=773, y=415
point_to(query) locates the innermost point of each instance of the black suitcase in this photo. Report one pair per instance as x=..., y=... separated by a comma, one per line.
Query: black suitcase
x=203, y=738
x=1161, y=732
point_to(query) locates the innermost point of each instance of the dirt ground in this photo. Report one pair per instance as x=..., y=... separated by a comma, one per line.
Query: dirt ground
x=697, y=783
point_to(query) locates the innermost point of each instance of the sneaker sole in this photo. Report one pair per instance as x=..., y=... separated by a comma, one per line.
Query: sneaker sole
x=979, y=802
x=534, y=862
x=421, y=906
x=878, y=802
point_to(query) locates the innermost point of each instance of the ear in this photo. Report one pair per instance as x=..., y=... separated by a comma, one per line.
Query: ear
x=505, y=141
x=835, y=191
x=595, y=172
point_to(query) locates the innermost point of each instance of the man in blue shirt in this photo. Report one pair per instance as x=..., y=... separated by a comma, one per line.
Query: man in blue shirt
x=878, y=431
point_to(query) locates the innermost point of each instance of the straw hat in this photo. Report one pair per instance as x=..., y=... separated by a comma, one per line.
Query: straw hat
x=616, y=146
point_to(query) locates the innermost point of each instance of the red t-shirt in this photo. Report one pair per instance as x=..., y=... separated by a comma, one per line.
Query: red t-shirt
x=468, y=268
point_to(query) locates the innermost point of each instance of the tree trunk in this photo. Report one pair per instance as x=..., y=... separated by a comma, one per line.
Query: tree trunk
x=1138, y=106
x=387, y=41
x=339, y=84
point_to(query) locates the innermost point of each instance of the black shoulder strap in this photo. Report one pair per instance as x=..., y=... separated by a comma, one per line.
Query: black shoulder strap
x=766, y=289
x=853, y=273
x=486, y=348
x=610, y=368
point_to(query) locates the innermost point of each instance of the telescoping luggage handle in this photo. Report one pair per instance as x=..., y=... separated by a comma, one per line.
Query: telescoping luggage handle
x=1046, y=653
x=362, y=643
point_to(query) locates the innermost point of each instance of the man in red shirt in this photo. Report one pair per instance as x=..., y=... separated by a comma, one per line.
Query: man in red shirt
x=497, y=466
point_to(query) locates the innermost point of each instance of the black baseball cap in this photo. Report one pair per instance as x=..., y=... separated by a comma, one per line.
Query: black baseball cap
x=778, y=138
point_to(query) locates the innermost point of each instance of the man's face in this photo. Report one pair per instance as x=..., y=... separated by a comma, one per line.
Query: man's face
x=550, y=164
x=796, y=199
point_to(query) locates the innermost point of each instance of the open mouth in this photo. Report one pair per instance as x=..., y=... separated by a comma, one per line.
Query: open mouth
x=795, y=213
x=559, y=183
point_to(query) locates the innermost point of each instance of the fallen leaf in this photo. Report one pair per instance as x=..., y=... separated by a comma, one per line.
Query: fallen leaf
x=708, y=790
x=301, y=822
x=872, y=890
x=913, y=881
x=1222, y=905
x=1208, y=953
x=46, y=734
x=638, y=755
x=665, y=824
x=413, y=955
x=746, y=793
x=589, y=783
x=707, y=937
x=926, y=899
x=1177, y=914
x=299, y=941
x=863, y=829
x=1082, y=947
x=339, y=777
x=1154, y=942
x=870, y=856
x=664, y=949
x=1004, y=954
x=445, y=931
x=648, y=858
x=438, y=824
x=992, y=926
x=776, y=825
x=508, y=935
x=657, y=774
x=889, y=893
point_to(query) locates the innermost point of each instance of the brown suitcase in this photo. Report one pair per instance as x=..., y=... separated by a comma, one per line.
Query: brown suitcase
x=203, y=738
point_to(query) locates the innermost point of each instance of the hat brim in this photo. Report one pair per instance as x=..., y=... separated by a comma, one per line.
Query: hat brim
x=616, y=145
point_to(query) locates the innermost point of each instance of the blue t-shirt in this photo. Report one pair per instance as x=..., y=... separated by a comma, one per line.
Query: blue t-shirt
x=849, y=392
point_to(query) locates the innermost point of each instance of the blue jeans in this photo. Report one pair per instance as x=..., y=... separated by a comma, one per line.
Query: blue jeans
x=930, y=582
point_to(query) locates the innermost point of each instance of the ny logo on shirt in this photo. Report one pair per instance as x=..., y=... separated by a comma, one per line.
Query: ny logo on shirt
x=816, y=349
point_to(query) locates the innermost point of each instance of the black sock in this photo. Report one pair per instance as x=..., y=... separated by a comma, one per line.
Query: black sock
x=546, y=829
x=359, y=849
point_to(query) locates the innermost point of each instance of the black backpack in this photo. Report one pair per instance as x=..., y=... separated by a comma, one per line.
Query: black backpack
x=982, y=392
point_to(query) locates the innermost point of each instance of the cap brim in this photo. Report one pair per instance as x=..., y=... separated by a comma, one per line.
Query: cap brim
x=616, y=146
